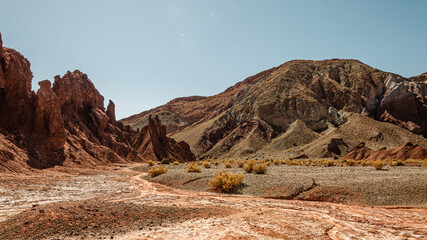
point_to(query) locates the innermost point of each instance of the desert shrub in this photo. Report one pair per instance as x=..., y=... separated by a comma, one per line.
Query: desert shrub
x=226, y=182
x=165, y=161
x=351, y=163
x=206, y=165
x=329, y=163
x=193, y=167
x=378, y=165
x=276, y=162
x=176, y=163
x=216, y=163
x=399, y=163
x=151, y=163
x=248, y=166
x=156, y=171
x=240, y=164
x=259, y=168
x=228, y=165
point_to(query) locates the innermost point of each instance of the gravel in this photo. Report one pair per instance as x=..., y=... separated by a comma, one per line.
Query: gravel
x=401, y=185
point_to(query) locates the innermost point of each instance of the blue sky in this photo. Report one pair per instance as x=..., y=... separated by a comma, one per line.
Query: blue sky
x=142, y=54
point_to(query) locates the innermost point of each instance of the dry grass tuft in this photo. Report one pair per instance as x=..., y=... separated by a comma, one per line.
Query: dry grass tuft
x=193, y=167
x=206, y=165
x=156, y=171
x=226, y=182
x=260, y=168
x=378, y=165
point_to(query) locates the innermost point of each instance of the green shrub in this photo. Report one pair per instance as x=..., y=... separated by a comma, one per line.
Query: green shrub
x=206, y=165
x=225, y=182
x=165, y=161
x=260, y=168
x=378, y=165
x=193, y=167
x=156, y=171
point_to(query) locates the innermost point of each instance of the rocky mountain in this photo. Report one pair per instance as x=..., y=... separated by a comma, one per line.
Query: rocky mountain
x=300, y=108
x=67, y=124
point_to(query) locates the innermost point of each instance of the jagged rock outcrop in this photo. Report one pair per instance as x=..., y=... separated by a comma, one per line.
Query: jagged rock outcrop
x=153, y=143
x=67, y=124
x=405, y=104
x=318, y=94
x=111, y=111
x=407, y=151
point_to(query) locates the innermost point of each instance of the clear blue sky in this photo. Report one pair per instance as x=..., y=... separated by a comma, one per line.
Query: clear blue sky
x=142, y=54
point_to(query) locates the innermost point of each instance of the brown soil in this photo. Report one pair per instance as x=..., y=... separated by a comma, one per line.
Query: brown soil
x=140, y=209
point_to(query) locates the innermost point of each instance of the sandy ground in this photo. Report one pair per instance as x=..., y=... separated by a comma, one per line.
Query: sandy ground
x=181, y=212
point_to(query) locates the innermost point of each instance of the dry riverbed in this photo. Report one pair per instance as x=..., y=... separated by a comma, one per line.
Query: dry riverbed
x=120, y=203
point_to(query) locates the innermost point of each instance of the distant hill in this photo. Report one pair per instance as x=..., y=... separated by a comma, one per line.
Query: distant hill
x=300, y=108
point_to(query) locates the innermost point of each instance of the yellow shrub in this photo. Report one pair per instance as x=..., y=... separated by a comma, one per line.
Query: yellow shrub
x=156, y=171
x=151, y=163
x=228, y=165
x=206, y=165
x=259, y=168
x=240, y=164
x=216, y=163
x=378, y=165
x=248, y=166
x=276, y=162
x=225, y=182
x=351, y=163
x=176, y=163
x=193, y=167
x=330, y=163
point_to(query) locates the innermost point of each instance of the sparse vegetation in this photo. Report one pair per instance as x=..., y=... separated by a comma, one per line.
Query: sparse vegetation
x=216, y=163
x=329, y=163
x=260, y=168
x=228, y=165
x=176, y=163
x=240, y=164
x=207, y=164
x=194, y=167
x=378, y=165
x=165, y=161
x=248, y=166
x=156, y=171
x=151, y=163
x=226, y=182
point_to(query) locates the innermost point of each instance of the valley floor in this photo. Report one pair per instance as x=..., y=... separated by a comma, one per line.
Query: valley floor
x=119, y=203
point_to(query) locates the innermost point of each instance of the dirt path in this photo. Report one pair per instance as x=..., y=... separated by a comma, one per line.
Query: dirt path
x=258, y=218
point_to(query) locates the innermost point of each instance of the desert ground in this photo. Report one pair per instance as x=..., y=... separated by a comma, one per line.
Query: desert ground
x=123, y=202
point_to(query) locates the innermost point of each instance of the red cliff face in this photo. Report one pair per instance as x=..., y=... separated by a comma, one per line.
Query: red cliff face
x=407, y=151
x=67, y=124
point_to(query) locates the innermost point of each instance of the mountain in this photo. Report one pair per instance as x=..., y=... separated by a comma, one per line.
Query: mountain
x=300, y=108
x=67, y=125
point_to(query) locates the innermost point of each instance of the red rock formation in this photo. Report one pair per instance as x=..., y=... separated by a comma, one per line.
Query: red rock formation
x=153, y=143
x=67, y=124
x=111, y=111
x=407, y=151
x=405, y=104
